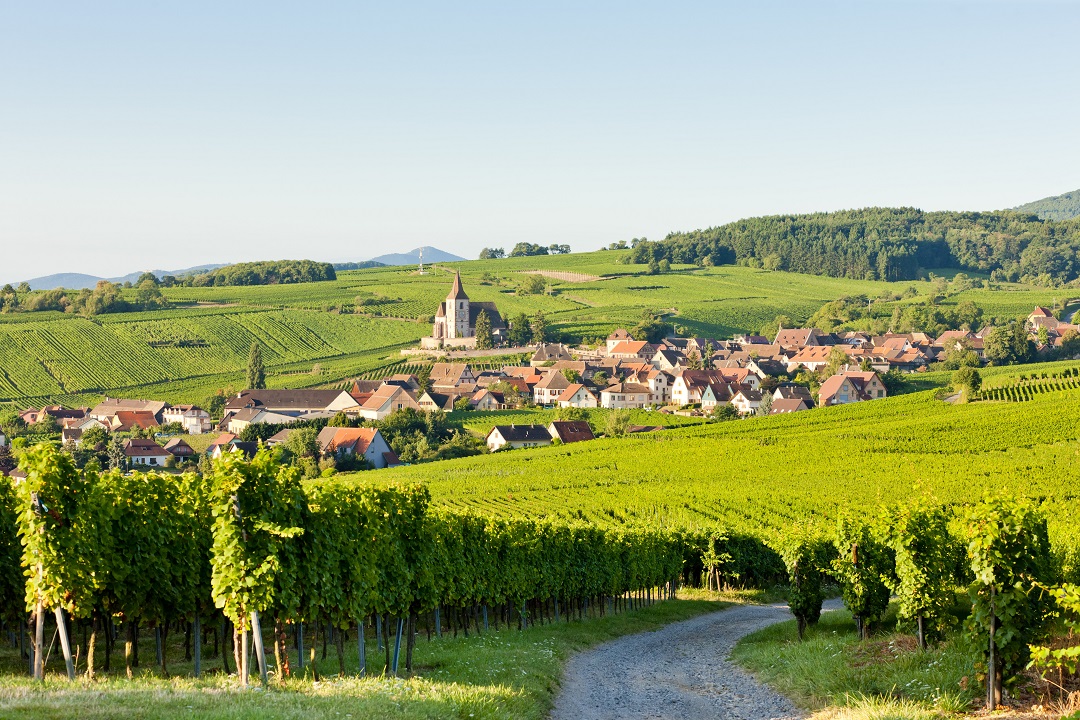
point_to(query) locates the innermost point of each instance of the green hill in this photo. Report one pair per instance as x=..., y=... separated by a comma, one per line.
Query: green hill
x=1058, y=207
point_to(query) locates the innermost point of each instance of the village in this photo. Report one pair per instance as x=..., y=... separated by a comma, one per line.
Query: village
x=797, y=370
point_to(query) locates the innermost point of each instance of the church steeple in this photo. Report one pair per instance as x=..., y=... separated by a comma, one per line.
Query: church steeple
x=456, y=293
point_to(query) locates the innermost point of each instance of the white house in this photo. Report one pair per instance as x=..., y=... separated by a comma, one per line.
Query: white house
x=145, y=453
x=627, y=395
x=548, y=390
x=746, y=400
x=579, y=396
x=194, y=419
x=385, y=400
x=517, y=436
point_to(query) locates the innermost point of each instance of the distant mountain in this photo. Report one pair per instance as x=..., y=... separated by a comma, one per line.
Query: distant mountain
x=1059, y=207
x=79, y=281
x=431, y=255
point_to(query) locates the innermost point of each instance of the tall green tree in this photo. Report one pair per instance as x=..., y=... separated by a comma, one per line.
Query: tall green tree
x=520, y=331
x=256, y=373
x=539, y=328
x=484, y=340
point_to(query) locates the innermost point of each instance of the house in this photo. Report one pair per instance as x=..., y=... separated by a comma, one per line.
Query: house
x=689, y=385
x=517, y=436
x=668, y=360
x=633, y=350
x=851, y=387
x=221, y=440
x=248, y=449
x=109, y=407
x=619, y=336
x=548, y=390
x=746, y=400
x=387, y=399
x=145, y=452
x=433, y=401
x=719, y=393
x=406, y=380
x=487, y=400
x=627, y=395
x=179, y=449
x=579, y=396
x=813, y=357
x=791, y=391
x=447, y=376
x=295, y=403
x=194, y=419
x=128, y=420
x=236, y=422
x=56, y=412
x=570, y=431
x=787, y=405
x=795, y=338
x=1041, y=317
x=549, y=353
x=658, y=381
x=280, y=437
x=73, y=429
x=367, y=443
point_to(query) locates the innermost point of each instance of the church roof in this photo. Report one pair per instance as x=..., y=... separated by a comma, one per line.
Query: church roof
x=441, y=311
x=456, y=293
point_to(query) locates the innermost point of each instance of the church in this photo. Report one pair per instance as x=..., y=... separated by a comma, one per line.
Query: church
x=455, y=320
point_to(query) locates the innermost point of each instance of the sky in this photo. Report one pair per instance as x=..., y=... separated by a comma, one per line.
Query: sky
x=139, y=135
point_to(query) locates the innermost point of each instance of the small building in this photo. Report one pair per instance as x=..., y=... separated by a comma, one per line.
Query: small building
x=432, y=401
x=619, y=336
x=388, y=399
x=633, y=350
x=487, y=400
x=747, y=400
x=549, y=353
x=579, y=396
x=128, y=420
x=238, y=421
x=547, y=391
x=627, y=395
x=178, y=448
x=367, y=443
x=851, y=387
x=193, y=418
x=517, y=436
x=570, y=431
x=109, y=407
x=784, y=406
x=447, y=376
x=146, y=453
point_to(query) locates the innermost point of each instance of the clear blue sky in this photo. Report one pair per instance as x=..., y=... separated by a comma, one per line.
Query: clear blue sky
x=137, y=135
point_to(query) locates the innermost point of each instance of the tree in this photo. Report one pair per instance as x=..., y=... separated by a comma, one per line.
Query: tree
x=533, y=285
x=923, y=583
x=94, y=438
x=806, y=554
x=862, y=566
x=24, y=287
x=462, y=404
x=618, y=423
x=967, y=380
x=492, y=253
x=256, y=373
x=520, y=331
x=651, y=328
x=571, y=375
x=1008, y=344
x=1070, y=344
x=484, y=340
x=837, y=359
x=571, y=414
x=600, y=378
x=539, y=328
x=765, y=408
x=303, y=443
x=724, y=412
x=215, y=404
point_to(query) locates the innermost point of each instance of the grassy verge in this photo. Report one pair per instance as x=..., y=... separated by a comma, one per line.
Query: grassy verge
x=884, y=677
x=504, y=674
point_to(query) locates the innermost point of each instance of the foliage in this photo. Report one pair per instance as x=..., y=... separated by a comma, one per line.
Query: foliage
x=484, y=339
x=276, y=272
x=864, y=567
x=532, y=285
x=256, y=371
x=924, y=583
x=1008, y=345
x=538, y=326
x=967, y=380
x=1066, y=659
x=1009, y=551
x=806, y=553
x=257, y=509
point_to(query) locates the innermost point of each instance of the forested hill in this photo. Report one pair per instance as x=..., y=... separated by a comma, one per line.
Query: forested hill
x=1059, y=207
x=884, y=244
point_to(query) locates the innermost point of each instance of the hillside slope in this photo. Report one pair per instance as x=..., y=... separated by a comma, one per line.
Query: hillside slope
x=1057, y=207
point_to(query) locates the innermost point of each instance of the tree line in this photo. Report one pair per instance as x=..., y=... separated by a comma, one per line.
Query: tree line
x=884, y=244
x=269, y=272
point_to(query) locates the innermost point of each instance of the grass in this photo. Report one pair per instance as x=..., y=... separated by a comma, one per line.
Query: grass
x=884, y=677
x=504, y=674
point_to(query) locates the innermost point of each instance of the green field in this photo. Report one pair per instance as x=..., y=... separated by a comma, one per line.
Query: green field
x=759, y=474
x=358, y=323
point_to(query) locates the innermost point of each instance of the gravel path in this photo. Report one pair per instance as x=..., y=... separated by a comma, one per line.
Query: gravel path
x=680, y=671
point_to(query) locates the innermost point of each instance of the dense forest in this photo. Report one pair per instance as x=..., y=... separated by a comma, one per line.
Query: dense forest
x=1058, y=207
x=275, y=272
x=106, y=297
x=884, y=244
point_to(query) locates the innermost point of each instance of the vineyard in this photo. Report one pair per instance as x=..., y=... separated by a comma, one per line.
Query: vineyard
x=353, y=324
x=76, y=356
x=1027, y=386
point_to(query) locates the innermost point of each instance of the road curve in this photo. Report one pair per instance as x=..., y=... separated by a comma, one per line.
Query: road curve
x=678, y=672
